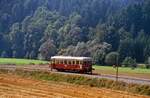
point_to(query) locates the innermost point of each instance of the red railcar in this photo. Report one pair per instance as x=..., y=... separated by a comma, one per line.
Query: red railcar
x=68, y=63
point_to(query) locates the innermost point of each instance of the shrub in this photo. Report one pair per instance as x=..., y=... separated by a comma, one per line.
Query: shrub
x=143, y=66
x=147, y=66
x=129, y=62
x=112, y=58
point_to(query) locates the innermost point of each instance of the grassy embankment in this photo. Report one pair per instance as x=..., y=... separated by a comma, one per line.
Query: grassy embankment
x=21, y=61
x=80, y=80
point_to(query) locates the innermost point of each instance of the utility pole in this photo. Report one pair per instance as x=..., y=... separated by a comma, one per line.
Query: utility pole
x=117, y=67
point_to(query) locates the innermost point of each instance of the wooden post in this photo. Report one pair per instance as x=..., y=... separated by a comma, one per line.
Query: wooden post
x=117, y=68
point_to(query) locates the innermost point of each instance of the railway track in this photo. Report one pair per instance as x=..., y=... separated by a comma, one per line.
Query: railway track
x=46, y=68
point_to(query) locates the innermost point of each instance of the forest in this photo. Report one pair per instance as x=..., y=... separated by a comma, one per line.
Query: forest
x=101, y=29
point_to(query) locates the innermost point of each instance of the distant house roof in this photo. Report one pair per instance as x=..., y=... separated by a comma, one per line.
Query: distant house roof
x=71, y=58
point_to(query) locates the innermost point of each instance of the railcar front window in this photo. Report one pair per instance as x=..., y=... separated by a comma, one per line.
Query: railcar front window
x=52, y=62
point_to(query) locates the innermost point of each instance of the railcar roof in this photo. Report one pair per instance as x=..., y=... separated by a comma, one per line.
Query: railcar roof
x=71, y=58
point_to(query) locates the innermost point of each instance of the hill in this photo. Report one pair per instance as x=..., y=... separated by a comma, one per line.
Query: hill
x=43, y=28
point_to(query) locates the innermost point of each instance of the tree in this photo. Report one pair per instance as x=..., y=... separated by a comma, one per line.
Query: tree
x=126, y=48
x=81, y=50
x=129, y=62
x=75, y=27
x=112, y=37
x=124, y=35
x=139, y=46
x=148, y=63
x=99, y=56
x=147, y=52
x=4, y=54
x=46, y=50
x=98, y=50
x=16, y=39
x=112, y=58
x=1, y=42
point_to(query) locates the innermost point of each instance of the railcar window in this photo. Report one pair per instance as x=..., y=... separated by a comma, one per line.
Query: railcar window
x=69, y=62
x=61, y=61
x=73, y=62
x=65, y=62
x=77, y=62
x=81, y=62
x=85, y=62
x=53, y=61
x=56, y=61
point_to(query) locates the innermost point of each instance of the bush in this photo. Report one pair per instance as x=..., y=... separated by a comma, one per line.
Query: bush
x=142, y=66
x=129, y=62
x=112, y=58
x=147, y=66
x=148, y=63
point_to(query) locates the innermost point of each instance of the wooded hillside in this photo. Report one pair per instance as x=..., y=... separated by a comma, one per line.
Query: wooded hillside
x=96, y=28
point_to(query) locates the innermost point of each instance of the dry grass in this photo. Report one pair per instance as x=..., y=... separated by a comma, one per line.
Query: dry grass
x=80, y=80
x=14, y=86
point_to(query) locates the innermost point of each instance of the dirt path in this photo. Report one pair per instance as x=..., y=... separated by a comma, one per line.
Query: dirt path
x=17, y=87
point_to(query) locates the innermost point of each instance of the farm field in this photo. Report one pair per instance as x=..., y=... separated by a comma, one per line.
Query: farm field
x=13, y=86
x=138, y=72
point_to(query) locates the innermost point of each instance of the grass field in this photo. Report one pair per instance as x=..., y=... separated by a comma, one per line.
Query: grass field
x=137, y=72
x=122, y=69
x=20, y=61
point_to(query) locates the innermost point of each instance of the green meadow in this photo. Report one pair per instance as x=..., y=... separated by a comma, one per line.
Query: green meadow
x=21, y=61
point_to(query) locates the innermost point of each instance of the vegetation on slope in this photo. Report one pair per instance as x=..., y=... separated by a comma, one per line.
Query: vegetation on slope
x=43, y=28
